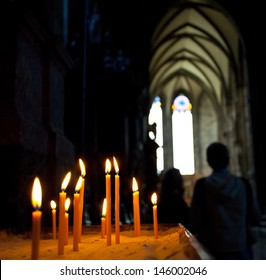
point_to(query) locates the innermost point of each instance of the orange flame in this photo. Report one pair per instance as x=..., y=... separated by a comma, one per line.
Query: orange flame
x=154, y=198
x=104, y=207
x=79, y=184
x=66, y=181
x=116, y=166
x=134, y=185
x=53, y=204
x=107, y=166
x=67, y=204
x=82, y=168
x=36, y=195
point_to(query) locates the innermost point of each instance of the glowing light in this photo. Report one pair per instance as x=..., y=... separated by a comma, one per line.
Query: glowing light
x=66, y=181
x=53, y=204
x=134, y=185
x=154, y=198
x=36, y=195
x=67, y=204
x=104, y=207
x=107, y=166
x=79, y=184
x=116, y=166
x=82, y=168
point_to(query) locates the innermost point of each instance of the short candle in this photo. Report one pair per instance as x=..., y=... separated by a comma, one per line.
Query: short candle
x=67, y=204
x=103, y=221
x=155, y=219
x=53, y=206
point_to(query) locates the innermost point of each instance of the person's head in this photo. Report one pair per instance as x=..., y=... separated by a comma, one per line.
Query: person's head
x=218, y=156
x=172, y=181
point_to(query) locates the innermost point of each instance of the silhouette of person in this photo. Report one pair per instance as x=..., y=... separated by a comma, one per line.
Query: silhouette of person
x=172, y=207
x=222, y=209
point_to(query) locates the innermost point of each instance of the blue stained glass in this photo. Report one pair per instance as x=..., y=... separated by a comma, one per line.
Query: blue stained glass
x=181, y=103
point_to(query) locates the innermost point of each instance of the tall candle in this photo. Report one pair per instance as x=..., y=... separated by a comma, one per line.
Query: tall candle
x=67, y=204
x=136, y=207
x=117, y=203
x=36, y=198
x=103, y=221
x=53, y=206
x=81, y=193
x=62, y=199
x=76, y=216
x=108, y=202
x=155, y=219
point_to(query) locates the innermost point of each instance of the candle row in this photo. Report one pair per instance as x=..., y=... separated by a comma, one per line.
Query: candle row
x=78, y=203
x=64, y=204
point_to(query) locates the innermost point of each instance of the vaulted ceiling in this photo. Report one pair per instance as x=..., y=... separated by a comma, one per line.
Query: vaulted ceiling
x=196, y=47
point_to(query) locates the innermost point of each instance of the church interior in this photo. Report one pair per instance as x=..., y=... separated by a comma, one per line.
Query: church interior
x=79, y=79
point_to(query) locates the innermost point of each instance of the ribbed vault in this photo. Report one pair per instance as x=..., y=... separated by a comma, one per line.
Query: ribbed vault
x=197, y=49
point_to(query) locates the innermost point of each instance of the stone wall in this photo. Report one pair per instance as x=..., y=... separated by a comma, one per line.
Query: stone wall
x=32, y=141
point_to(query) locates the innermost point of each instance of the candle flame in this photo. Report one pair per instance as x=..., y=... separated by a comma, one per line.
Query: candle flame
x=82, y=167
x=67, y=204
x=134, y=185
x=79, y=184
x=107, y=166
x=116, y=166
x=104, y=207
x=154, y=198
x=53, y=204
x=66, y=181
x=36, y=195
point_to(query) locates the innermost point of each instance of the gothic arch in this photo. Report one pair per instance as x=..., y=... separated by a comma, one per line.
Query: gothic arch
x=197, y=47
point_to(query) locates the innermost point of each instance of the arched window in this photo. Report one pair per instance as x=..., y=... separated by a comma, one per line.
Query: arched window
x=182, y=125
x=156, y=116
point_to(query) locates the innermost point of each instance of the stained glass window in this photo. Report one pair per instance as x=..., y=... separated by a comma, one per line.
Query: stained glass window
x=182, y=127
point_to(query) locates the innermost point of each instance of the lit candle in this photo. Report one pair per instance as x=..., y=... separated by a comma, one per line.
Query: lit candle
x=136, y=209
x=62, y=199
x=108, y=201
x=53, y=206
x=103, y=229
x=81, y=193
x=117, y=203
x=155, y=219
x=76, y=216
x=67, y=204
x=36, y=198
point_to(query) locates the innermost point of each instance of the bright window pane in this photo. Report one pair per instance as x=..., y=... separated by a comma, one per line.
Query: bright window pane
x=183, y=146
x=156, y=116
